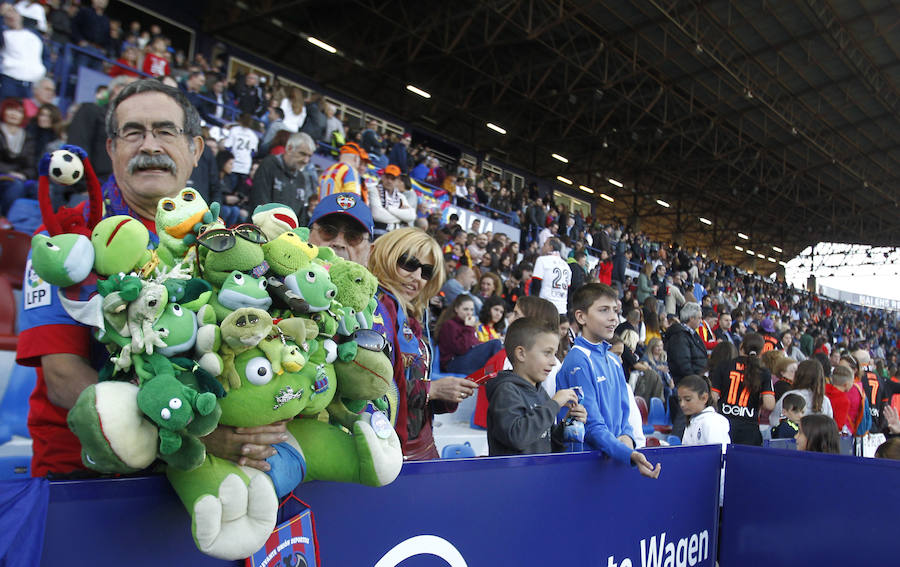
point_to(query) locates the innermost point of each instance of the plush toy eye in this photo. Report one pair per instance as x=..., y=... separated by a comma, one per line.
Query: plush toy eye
x=175, y=403
x=168, y=205
x=52, y=246
x=311, y=277
x=177, y=310
x=239, y=279
x=188, y=196
x=152, y=303
x=165, y=414
x=330, y=294
x=263, y=284
x=258, y=371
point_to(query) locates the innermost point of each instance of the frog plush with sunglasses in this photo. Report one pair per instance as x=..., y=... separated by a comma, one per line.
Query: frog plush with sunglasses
x=224, y=250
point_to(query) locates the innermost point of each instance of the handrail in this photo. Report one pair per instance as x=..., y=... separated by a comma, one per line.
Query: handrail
x=64, y=63
x=474, y=205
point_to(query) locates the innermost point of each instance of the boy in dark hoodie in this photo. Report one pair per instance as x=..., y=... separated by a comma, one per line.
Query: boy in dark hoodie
x=521, y=415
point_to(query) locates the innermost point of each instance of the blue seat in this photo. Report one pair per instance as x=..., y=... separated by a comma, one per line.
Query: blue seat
x=14, y=467
x=14, y=405
x=674, y=440
x=436, y=373
x=458, y=451
x=657, y=414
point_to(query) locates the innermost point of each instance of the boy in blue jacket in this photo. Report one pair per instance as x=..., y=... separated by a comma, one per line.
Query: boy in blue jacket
x=599, y=373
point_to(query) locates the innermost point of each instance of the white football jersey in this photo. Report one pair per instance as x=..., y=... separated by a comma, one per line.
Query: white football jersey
x=555, y=276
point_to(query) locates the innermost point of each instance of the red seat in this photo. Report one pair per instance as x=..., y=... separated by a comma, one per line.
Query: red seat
x=642, y=406
x=14, y=247
x=8, y=338
x=652, y=442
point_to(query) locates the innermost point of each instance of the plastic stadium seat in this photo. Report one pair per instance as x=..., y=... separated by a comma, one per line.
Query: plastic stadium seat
x=14, y=467
x=436, y=373
x=459, y=451
x=642, y=406
x=652, y=442
x=14, y=247
x=673, y=440
x=14, y=405
x=657, y=417
x=8, y=338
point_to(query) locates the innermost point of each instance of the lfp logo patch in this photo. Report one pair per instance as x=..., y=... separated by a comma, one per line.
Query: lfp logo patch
x=37, y=291
x=346, y=201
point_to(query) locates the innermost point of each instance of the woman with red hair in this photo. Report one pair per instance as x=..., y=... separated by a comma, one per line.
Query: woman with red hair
x=16, y=154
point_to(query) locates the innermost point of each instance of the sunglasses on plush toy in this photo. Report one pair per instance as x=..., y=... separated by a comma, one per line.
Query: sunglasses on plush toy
x=372, y=340
x=222, y=239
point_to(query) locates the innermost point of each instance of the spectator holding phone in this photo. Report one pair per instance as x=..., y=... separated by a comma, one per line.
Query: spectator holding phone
x=461, y=351
x=521, y=415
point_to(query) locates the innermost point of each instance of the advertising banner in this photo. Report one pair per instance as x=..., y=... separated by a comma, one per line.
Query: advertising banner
x=787, y=508
x=533, y=510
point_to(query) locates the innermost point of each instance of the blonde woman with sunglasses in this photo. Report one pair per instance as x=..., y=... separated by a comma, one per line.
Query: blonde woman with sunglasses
x=410, y=269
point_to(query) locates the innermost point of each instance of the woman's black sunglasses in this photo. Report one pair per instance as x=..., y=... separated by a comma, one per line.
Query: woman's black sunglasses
x=411, y=264
x=222, y=239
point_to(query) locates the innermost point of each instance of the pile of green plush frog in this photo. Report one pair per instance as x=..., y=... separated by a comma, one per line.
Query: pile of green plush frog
x=242, y=326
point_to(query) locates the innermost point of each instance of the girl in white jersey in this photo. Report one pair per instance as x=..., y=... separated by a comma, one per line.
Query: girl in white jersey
x=705, y=426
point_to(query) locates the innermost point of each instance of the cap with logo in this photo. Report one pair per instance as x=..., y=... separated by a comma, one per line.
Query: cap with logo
x=350, y=204
x=392, y=170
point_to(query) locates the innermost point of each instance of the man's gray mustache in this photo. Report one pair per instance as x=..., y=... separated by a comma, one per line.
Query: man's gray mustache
x=152, y=161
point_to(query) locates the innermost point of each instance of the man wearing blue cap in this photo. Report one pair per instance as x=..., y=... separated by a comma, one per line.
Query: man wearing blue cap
x=343, y=222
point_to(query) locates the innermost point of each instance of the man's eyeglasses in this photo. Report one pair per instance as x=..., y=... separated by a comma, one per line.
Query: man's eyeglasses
x=330, y=231
x=165, y=134
x=411, y=264
x=222, y=239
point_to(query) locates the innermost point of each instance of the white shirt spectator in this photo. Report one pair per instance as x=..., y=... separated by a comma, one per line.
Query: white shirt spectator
x=292, y=120
x=390, y=209
x=543, y=236
x=35, y=11
x=555, y=276
x=22, y=55
x=243, y=143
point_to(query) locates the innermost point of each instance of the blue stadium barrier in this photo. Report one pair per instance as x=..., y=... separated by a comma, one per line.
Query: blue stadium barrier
x=788, y=508
x=490, y=511
x=847, y=444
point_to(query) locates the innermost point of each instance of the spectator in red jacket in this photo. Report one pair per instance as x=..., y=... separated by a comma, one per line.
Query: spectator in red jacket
x=461, y=352
x=155, y=62
x=605, y=268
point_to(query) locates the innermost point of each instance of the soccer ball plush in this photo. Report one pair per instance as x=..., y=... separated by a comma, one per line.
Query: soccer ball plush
x=65, y=167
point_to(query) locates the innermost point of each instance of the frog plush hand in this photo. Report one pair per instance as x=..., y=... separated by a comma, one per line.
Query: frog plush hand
x=62, y=260
x=115, y=437
x=274, y=219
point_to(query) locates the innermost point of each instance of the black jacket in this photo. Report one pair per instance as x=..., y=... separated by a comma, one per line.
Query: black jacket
x=520, y=419
x=686, y=352
x=88, y=131
x=205, y=177
x=274, y=183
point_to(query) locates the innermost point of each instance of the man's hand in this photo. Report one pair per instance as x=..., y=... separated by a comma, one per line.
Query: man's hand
x=644, y=466
x=246, y=446
x=626, y=440
x=450, y=389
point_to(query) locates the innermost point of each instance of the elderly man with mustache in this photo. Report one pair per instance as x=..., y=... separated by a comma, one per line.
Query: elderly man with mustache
x=154, y=142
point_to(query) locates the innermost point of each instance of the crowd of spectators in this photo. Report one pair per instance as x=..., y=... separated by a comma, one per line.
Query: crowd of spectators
x=680, y=313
